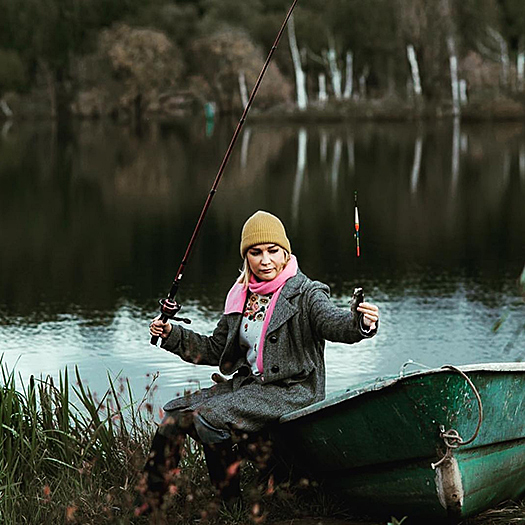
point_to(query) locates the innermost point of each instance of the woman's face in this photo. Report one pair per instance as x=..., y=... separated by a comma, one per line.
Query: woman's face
x=266, y=261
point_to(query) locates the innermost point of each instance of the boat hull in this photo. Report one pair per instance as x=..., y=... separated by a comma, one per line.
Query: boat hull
x=377, y=443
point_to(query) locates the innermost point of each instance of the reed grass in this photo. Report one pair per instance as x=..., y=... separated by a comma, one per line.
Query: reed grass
x=68, y=457
x=67, y=460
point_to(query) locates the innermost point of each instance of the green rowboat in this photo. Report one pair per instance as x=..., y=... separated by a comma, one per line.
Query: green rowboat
x=441, y=443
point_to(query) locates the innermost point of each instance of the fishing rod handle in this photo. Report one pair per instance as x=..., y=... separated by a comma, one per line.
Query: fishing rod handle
x=169, y=308
x=155, y=338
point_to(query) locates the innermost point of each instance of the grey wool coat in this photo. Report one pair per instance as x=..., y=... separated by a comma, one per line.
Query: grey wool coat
x=293, y=359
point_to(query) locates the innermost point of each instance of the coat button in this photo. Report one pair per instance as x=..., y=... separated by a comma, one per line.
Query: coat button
x=273, y=339
x=275, y=369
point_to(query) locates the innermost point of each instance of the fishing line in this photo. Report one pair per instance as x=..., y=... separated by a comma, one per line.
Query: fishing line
x=358, y=296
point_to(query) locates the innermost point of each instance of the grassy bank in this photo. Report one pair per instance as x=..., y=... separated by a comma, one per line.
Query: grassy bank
x=68, y=460
x=67, y=456
x=392, y=109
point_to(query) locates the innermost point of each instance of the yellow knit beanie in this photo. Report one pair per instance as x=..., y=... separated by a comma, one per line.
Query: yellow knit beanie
x=263, y=228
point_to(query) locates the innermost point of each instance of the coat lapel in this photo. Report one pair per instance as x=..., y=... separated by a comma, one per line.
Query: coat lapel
x=230, y=357
x=284, y=309
x=234, y=322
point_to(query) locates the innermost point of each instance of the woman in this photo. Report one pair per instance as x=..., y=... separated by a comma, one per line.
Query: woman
x=271, y=337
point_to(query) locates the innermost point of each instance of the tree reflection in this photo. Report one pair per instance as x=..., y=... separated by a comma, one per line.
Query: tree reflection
x=104, y=214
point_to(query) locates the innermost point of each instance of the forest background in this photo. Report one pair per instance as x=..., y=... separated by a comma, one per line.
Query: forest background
x=135, y=59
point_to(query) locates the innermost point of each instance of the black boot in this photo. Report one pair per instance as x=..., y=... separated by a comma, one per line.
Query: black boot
x=224, y=467
x=159, y=470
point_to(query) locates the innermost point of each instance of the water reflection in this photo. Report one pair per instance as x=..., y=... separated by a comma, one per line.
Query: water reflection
x=522, y=162
x=416, y=166
x=302, y=138
x=94, y=225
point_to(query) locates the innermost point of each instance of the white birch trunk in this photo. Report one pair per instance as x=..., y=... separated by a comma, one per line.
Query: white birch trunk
x=456, y=151
x=302, y=142
x=335, y=73
x=323, y=95
x=503, y=56
x=505, y=62
x=245, y=146
x=416, y=165
x=242, y=89
x=463, y=94
x=6, y=127
x=448, y=21
x=6, y=110
x=464, y=143
x=454, y=78
x=300, y=77
x=362, y=82
x=349, y=80
x=520, y=65
x=414, y=70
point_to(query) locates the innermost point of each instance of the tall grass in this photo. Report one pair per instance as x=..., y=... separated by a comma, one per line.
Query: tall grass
x=68, y=457
x=69, y=460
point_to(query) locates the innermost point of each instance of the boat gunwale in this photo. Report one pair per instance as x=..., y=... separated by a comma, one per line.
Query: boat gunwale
x=385, y=382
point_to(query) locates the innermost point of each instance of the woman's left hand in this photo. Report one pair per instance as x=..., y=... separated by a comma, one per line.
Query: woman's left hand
x=370, y=314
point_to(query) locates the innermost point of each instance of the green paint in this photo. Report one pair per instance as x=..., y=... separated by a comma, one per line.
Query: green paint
x=377, y=441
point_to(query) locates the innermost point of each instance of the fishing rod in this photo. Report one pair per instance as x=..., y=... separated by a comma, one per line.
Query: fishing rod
x=169, y=308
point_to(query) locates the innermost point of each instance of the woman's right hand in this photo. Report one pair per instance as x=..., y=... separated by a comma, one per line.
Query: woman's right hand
x=159, y=328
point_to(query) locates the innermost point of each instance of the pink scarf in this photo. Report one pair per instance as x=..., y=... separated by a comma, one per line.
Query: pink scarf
x=236, y=298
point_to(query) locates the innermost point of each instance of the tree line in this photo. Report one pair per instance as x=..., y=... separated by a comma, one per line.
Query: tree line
x=107, y=55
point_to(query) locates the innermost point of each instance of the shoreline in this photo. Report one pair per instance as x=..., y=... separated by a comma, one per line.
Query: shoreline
x=502, y=109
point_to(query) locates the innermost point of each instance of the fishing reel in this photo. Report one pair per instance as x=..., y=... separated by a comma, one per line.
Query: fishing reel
x=170, y=308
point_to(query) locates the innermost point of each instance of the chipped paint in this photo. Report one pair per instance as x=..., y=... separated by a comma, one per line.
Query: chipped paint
x=449, y=486
x=381, y=383
x=342, y=440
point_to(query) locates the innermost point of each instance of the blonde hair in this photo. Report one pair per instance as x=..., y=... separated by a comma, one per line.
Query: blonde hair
x=246, y=271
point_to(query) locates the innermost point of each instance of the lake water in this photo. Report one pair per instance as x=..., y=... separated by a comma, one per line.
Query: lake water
x=94, y=225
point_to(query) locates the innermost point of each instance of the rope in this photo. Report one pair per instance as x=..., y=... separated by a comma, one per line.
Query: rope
x=452, y=438
x=411, y=362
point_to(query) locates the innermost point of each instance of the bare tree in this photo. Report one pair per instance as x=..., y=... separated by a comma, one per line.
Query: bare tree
x=300, y=77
